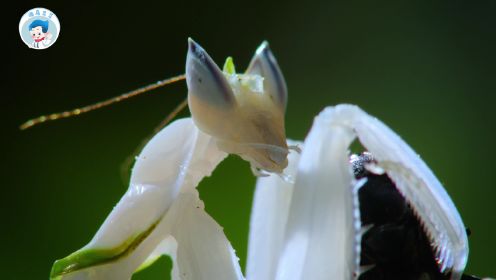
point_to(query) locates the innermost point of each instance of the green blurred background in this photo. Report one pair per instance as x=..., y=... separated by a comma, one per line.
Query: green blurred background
x=426, y=68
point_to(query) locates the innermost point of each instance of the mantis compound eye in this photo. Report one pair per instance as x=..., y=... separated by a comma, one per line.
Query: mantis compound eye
x=264, y=64
x=206, y=81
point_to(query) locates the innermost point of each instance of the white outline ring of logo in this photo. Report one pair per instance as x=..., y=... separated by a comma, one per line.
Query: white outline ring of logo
x=39, y=14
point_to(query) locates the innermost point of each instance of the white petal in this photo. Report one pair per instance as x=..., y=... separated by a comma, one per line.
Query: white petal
x=163, y=180
x=320, y=240
x=268, y=221
x=415, y=181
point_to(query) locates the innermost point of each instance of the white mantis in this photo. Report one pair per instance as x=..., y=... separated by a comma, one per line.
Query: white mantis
x=305, y=228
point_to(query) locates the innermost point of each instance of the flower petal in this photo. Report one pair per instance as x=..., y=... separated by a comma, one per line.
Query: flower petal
x=268, y=221
x=320, y=239
x=165, y=174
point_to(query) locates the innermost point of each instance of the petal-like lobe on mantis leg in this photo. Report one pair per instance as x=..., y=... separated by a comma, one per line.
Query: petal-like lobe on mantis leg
x=197, y=245
x=205, y=80
x=161, y=195
x=321, y=232
x=269, y=215
x=415, y=181
x=264, y=64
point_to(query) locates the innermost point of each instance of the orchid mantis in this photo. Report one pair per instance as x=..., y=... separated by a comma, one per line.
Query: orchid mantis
x=307, y=227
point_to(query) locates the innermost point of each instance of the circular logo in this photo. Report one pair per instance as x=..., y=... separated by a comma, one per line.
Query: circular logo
x=39, y=28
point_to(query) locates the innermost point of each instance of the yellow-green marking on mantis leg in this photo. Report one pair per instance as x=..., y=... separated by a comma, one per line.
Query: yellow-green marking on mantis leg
x=85, y=258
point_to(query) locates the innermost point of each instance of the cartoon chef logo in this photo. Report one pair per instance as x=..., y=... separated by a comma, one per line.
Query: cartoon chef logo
x=39, y=28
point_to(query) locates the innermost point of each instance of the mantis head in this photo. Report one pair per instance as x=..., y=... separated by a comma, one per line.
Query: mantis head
x=243, y=112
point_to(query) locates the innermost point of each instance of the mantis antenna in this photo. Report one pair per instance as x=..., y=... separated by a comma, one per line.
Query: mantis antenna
x=101, y=104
